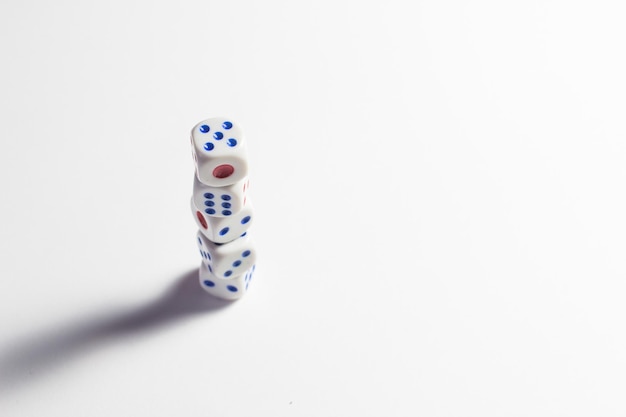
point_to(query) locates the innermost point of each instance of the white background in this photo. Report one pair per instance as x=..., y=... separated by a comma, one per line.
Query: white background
x=439, y=190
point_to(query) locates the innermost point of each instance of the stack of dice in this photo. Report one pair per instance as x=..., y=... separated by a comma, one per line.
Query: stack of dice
x=221, y=209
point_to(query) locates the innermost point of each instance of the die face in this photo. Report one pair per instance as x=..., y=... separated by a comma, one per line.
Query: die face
x=220, y=201
x=207, y=259
x=230, y=289
x=219, y=152
x=223, y=229
x=227, y=260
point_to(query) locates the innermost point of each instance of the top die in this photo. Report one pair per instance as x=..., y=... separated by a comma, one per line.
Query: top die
x=219, y=152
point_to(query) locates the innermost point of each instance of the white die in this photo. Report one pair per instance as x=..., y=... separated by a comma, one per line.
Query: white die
x=227, y=260
x=223, y=229
x=219, y=152
x=228, y=289
x=220, y=201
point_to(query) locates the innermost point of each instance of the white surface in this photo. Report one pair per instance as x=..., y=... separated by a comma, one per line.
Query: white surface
x=439, y=192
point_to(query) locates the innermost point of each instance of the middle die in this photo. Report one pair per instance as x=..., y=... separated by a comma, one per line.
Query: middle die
x=223, y=229
x=227, y=260
x=220, y=201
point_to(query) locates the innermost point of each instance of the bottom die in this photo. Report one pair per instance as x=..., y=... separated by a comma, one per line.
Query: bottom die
x=227, y=289
x=227, y=260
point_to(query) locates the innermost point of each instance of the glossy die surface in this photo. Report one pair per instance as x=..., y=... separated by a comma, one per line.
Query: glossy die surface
x=219, y=152
x=227, y=260
x=220, y=201
x=227, y=289
x=223, y=229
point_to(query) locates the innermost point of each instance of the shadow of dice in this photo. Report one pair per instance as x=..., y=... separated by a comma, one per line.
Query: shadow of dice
x=220, y=201
x=223, y=229
x=219, y=152
x=227, y=260
x=228, y=289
